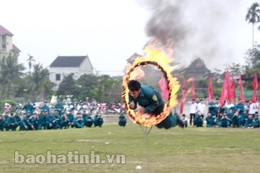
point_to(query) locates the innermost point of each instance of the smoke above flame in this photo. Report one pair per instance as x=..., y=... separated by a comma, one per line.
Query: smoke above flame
x=198, y=28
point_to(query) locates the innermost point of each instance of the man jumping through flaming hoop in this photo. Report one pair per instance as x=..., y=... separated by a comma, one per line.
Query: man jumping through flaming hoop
x=150, y=101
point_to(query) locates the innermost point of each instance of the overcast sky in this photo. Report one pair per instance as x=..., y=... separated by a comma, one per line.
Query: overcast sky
x=108, y=31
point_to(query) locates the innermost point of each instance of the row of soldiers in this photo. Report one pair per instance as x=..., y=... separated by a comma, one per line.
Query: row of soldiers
x=45, y=120
x=231, y=115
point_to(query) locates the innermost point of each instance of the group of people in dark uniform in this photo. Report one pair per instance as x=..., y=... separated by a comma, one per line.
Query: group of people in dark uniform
x=46, y=119
x=241, y=114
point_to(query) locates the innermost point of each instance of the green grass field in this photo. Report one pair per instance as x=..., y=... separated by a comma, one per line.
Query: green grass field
x=175, y=150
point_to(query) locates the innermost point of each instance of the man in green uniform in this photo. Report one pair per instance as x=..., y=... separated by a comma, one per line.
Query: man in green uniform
x=59, y=107
x=11, y=122
x=29, y=107
x=42, y=120
x=17, y=118
x=198, y=121
x=65, y=121
x=34, y=120
x=50, y=121
x=89, y=121
x=25, y=124
x=211, y=121
x=240, y=107
x=230, y=114
x=45, y=107
x=98, y=120
x=225, y=122
x=58, y=121
x=78, y=121
x=70, y=117
x=257, y=121
x=122, y=120
x=2, y=123
x=150, y=102
x=6, y=117
x=250, y=121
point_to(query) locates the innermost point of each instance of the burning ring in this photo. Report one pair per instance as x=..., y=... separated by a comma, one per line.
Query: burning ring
x=158, y=58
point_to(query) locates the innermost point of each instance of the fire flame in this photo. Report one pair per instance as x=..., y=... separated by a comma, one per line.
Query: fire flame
x=154, y=56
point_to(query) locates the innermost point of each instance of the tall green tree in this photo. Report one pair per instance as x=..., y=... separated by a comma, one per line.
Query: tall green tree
x=30, y=62
x=252, y=16
x=10, y=75
x=67, y=86
x=87, y=86
x=253, y=60
x=40, y=83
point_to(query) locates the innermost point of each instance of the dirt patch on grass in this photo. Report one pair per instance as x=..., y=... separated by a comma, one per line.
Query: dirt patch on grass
x=89, y=140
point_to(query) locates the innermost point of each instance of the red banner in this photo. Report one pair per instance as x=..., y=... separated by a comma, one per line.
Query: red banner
x=210, y=90
x=164, y=88
x=193, y=90
x=255, y=86
x=241, y=89
x=233, y=90
x=225, y=89
x=183, y=90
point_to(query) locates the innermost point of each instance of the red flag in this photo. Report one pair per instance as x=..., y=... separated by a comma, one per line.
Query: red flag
x=164, y=88
x=255, y=86
x=225, y=89
x=241, y=89
x=210, y=90
x=193, y=90
x=232, y=90
x=184, y=86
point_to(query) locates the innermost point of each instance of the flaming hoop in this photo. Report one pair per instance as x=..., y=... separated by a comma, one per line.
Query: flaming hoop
x=156, y=57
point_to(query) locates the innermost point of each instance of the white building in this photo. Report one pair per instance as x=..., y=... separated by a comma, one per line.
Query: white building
x=6, y=44
x=62, y=66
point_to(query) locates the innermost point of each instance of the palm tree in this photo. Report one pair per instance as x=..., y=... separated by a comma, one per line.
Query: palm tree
x=30, y=60
x=10, y=74
x=253, y=16
x=40, y=81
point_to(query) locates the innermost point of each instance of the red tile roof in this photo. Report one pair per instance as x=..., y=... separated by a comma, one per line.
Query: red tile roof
x=4, y=31
x=15, y=49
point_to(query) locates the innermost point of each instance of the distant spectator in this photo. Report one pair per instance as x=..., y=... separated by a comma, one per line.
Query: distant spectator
x=198, y=121
x=257, y=121
x=12, y=123
x=59, y=107
x=250, y=121
x=225, y=122
x=201, y=108
x=98, y=120
x=235, y=119
x=122, y=120
x=184, y=119
x=193, y=110
x=28, y=107
x=211, y=121
x=2, y=123
x=78, y=121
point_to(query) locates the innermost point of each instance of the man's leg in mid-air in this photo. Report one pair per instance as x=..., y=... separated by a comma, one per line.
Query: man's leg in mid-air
x=170, y=121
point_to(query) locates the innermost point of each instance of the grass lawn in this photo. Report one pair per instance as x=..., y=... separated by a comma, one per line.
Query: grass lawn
x=174, y=150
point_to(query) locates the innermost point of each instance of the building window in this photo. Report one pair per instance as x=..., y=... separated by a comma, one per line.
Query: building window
x=57, y=77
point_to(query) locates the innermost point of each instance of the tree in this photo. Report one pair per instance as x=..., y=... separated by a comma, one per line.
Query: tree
x=252, y=16
x=11, y=74
x=235, y=69
x=67, y=86
x=253, y=60
x=30, y=60
x=41, y=84
x=87, y=86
